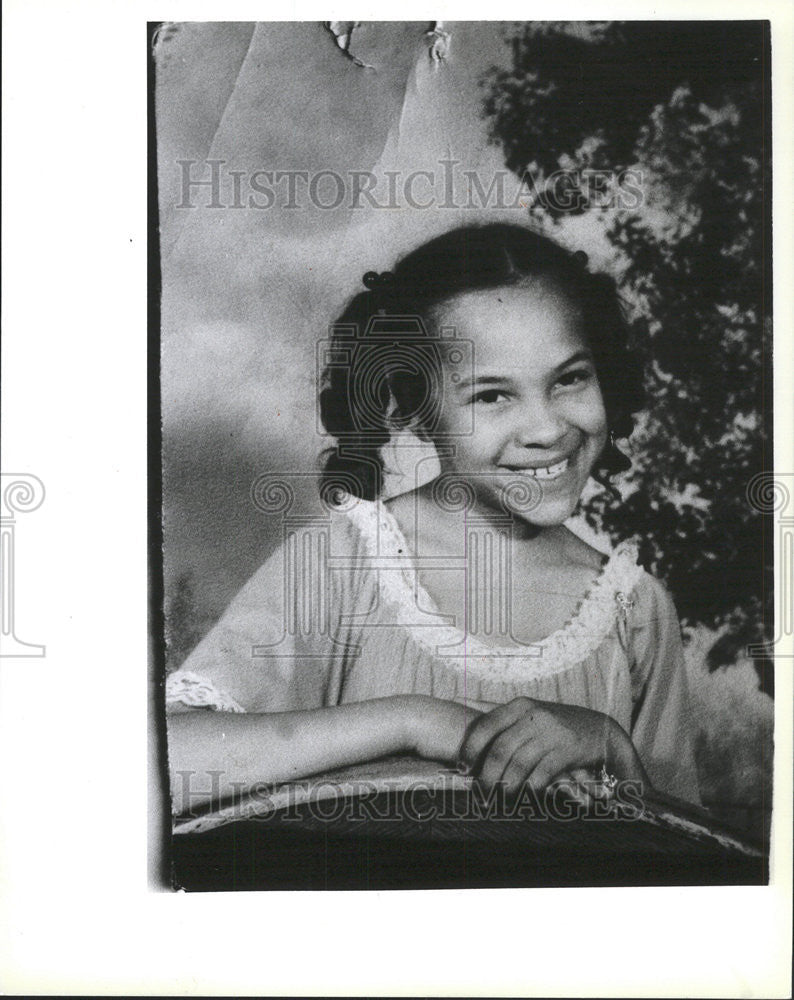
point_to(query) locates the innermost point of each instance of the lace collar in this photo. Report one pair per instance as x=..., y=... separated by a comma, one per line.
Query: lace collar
x=606, y=599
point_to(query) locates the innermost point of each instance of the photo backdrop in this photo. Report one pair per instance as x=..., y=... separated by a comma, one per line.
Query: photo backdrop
x=268, y=137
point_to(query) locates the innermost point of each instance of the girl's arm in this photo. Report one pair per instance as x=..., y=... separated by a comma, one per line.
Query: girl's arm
x=213, y=755
x=663, y=727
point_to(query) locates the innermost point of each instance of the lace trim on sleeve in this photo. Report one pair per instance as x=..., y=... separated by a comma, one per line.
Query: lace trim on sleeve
x=606, y=603
x=198, y=692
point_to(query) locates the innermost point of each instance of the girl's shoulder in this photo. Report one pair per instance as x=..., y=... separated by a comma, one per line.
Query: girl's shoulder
x=650, y=602
x=640, y=596
x=576, y=552
x=362, y=531
x=621, y=574
x=359, y=521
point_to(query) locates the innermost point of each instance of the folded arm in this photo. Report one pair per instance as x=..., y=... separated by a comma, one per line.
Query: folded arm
x=213, y=755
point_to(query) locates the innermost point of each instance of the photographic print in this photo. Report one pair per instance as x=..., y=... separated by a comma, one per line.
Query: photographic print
x=463, y=482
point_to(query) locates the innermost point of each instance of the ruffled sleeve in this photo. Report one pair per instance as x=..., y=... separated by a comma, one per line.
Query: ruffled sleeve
x=276, y=646
x=662, y=728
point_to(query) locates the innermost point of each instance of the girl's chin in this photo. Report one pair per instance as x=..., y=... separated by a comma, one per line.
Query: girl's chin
x=542, y=518
x=526, y=504
x=544, y=503
x=540, y=523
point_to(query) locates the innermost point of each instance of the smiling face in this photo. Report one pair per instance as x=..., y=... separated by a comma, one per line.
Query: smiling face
x=534, y=402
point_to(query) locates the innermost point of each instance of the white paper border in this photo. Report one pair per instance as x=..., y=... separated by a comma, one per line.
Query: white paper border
x=76, y=914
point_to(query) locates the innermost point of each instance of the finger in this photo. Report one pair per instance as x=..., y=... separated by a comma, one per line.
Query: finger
x=526, y=757
x=487, y=727
x=510, y=756
x=566, y=782
x=554, y=763
x=584, y=780
x=572, y=787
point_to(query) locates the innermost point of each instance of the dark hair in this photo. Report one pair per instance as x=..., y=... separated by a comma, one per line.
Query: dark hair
x=366, y=393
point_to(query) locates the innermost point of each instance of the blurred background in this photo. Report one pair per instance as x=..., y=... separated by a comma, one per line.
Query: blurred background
x=294, y=157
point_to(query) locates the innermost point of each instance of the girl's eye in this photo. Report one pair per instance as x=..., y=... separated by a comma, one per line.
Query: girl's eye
x=575, y=377
x=489, y=396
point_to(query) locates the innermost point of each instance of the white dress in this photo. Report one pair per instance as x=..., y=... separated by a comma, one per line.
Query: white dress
x=337, y=614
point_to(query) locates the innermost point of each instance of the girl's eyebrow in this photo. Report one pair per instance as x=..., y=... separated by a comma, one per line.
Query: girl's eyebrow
x=574, y=358
x=467, y=383
x=501, y=379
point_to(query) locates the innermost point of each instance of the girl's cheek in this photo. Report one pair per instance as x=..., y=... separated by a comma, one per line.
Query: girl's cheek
x=593, y=413
x=588, y=413
x=601, y=406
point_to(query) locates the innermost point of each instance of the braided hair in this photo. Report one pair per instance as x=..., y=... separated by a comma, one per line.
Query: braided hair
x=384, y=366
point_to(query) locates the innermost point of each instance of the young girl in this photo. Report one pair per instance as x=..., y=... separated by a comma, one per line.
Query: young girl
x=460, y=621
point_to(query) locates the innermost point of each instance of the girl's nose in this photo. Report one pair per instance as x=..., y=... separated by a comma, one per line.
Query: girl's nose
x=540, y=425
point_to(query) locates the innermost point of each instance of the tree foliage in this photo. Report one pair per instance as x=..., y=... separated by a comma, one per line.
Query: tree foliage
x=686, y=105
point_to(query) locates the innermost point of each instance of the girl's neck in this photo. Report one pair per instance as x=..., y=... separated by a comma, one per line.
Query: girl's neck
x=428, y=525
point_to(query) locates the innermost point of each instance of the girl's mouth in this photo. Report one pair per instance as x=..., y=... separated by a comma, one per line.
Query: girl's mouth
x=544, y=472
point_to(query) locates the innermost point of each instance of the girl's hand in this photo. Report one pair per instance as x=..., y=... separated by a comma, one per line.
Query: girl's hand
x=527, y=740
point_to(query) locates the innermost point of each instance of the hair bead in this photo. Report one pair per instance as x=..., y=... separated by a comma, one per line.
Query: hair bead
x=378, y=282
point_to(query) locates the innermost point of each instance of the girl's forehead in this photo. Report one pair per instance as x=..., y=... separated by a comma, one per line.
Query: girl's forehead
x=529, y=325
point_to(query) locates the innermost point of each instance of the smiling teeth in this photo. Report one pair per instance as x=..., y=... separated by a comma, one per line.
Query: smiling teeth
x=549, y=472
